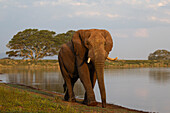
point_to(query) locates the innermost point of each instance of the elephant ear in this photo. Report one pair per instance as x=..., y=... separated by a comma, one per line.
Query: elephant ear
x=109, y=41
x=78, y=43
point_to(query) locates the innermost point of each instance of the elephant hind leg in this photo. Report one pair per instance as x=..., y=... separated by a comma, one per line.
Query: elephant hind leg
x=66, y=97
x=69, y=95
x=64, y=86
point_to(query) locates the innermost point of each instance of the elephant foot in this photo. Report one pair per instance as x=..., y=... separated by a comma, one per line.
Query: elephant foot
x=84, y=102
x=72, y=100
x=103, y=105
x=66, y=97
x=92, y=103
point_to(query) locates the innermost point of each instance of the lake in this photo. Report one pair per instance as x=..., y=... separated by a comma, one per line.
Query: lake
x=145, y=89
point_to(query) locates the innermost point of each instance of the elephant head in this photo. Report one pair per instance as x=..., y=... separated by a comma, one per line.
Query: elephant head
x=94, y=46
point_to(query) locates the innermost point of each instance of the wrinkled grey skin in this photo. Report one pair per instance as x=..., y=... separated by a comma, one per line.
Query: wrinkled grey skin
x=95, y=44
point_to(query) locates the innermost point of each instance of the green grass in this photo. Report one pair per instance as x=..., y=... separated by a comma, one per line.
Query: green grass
x=15, y=100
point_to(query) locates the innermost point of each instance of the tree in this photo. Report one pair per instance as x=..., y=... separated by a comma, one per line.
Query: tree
x=64, y=38
x=35, y=44
x=159, y=55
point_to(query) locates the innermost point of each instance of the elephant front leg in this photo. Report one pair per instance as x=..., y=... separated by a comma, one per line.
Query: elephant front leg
x=85, y=79
x=93, y=82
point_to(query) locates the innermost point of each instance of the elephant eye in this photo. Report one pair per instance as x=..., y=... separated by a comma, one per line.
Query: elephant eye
x=105, y=43
x=88, y=43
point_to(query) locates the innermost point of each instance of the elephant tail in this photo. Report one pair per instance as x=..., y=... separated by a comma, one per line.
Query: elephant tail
x=64, y=86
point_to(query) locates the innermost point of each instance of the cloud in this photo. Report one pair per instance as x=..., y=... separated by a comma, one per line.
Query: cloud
x=87, y=13
x=156, y=5
x=79, y=4
x=120, y=35
x=141, y=33
x=163, y=3
x=130, y=33
x=112, y=15
x=164, y=20
x=61, y=2
x=45, y=3
x=130, y=2
x=7, y=4
x=21, y=6
x=93, y=14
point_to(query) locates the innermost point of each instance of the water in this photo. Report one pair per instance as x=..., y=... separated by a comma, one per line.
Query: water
x=145, y=89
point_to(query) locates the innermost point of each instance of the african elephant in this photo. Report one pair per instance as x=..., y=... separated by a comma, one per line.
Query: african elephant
x=84, y=57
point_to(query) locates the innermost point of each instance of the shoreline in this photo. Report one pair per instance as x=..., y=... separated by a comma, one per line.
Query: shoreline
x=53, y=64
x=43, y=92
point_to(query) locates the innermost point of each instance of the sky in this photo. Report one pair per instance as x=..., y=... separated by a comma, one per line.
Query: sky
x=138, y=27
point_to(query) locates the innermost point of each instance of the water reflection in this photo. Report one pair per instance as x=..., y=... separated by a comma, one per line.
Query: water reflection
x=160, y=75
x=44, y=79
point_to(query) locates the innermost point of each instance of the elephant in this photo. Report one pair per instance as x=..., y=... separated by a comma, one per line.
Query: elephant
x=84, y=57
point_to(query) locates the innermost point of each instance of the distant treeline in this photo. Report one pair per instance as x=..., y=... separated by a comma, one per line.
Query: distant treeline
x=40, y=64
x=159, y=55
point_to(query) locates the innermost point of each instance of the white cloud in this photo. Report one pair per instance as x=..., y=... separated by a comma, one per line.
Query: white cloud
x=163, y=3
x=112, y=15
x=9, y=3
x=130, y=2
x=141, y=33
x=147, y=1
x=131, y=33
x=22, y=6
x=79, y=4
x=156, y=5
x=44, y=3
x=120, y=35
x=87, y=13
x=61, y=2
x=93, y=14
x=52, y=3
x=164, y=20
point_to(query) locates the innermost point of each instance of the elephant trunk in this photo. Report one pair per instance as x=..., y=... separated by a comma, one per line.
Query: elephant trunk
x=99, y=65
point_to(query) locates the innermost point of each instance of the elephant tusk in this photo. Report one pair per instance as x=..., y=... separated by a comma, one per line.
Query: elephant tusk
x=112, y=59
x=88, y=61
